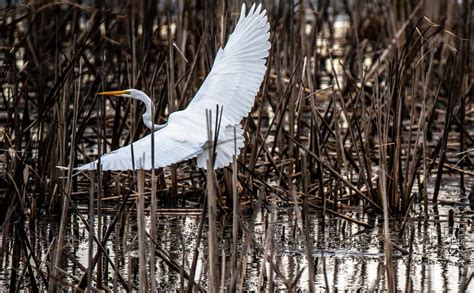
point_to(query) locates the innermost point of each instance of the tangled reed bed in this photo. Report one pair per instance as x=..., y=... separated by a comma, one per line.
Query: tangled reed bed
x=364, y=105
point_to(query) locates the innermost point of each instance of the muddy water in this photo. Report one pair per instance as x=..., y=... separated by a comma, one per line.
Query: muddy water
x=346, y=255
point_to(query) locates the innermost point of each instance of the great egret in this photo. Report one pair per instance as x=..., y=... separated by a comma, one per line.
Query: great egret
x=232, y=84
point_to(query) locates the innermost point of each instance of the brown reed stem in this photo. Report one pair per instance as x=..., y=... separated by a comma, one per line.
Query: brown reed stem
x=142, y=251
x=212, y=208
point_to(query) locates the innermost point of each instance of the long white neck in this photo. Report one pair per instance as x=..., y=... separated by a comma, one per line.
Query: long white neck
x=148, y=116
x=150, y=110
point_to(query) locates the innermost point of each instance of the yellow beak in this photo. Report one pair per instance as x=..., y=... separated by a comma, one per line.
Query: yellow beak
x=113, y=93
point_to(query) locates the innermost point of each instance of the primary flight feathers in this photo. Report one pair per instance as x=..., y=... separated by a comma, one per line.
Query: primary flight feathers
x=233, y=82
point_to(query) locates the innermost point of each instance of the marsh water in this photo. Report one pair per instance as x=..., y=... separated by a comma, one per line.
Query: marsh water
x=346, y=255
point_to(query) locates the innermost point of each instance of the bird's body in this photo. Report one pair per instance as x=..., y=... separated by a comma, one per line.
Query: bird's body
x=232, y=84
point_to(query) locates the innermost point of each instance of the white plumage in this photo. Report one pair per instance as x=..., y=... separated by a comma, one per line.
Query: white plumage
x=233, y=82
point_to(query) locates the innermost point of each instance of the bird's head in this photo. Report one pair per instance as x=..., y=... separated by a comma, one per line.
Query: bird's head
x=130, y=93
x=141, y=96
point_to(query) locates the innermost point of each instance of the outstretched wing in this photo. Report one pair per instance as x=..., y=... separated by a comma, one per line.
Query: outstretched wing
x=238, y=69
x=233, y=82
x=168, y=150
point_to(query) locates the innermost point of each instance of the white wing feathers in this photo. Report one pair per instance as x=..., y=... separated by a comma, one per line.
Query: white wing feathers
x=238, y=69
x=168, y=150
x=233, y=83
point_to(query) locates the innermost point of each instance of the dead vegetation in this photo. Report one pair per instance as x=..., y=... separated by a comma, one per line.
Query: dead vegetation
x=365, y=105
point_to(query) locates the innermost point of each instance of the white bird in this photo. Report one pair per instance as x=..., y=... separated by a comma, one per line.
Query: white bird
x=232, y=84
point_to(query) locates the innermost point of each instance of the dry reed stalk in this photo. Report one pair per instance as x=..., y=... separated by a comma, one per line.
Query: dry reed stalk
x=129, y=262
x=410, y=67
x=234, y=272
x=153, y=232
x=27, y=252
x=223, y=272
x=382, y=125
x=211, y=203
x=308, y=242
x=173, y=265
x=336, y=174
x=351, y=130
x=409, y=283
x=268, y=249
x=153, y=212
x=112, y=225
x=142, y=251
x=196, y=250
x=467, y=70
x=90, y=252
x=249, y=232
x=101, y=146
x=65, y=199
x=100, y=246
x=183, y=262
